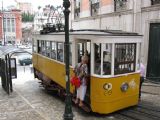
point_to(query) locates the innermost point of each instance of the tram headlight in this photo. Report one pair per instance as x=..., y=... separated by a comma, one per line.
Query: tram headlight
x=107, y=86
x=124, y=87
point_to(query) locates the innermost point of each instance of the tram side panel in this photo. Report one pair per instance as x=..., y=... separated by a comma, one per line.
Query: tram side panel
x=52, y=69
x=110, y=98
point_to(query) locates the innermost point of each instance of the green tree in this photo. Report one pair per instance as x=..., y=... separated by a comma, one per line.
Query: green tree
x=27, y=17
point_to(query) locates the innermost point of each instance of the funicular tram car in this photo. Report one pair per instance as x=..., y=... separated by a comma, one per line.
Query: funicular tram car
x=113, y=58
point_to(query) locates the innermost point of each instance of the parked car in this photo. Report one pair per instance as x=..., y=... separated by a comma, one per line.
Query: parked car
x=25, y=60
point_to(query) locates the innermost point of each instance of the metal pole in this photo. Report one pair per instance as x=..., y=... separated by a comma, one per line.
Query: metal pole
x=3, y=25
x=68, y=114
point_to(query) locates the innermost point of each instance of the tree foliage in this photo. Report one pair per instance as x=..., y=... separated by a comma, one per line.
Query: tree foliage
x=27, y=17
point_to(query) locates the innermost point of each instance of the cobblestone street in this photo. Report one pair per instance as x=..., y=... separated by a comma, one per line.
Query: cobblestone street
x=30, y=102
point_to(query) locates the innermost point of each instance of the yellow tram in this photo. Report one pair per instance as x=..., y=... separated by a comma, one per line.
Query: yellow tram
x=113, y=58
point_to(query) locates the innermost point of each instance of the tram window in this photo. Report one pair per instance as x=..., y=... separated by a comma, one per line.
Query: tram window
x=70, y=54
x=34, y=46
x=53, y=50
x=81, y=51
x=97, y=58
x=107, y=55
x=48, y=48
x=125, y=58
x=60, y=52
x=39, y=46
x=43, y=47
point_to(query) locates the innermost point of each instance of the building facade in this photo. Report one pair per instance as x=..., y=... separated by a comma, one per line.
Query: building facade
x=25, y=7
x=140, y=16
x=10, y=27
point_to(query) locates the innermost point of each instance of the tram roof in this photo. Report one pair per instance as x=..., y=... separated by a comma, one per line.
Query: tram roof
x=98, y=32
x=4, y=50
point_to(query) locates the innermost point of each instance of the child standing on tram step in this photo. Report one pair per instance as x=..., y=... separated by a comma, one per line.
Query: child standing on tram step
x=81, y=70
x=142, y=75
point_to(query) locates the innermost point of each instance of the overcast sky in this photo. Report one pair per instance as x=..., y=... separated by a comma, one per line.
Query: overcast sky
x=35, y=3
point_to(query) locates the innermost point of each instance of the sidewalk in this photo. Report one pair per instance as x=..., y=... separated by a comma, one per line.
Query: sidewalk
x=151, y=93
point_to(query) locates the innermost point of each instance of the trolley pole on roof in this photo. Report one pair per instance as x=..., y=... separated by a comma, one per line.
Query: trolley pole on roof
x=68, y=114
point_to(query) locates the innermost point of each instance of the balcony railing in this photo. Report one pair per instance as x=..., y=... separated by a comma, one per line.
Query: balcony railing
x=120, y=5
x=94, y=8
x=154, y=2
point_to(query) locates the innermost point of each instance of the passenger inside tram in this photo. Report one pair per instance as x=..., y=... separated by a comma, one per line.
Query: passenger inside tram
x=53, y=54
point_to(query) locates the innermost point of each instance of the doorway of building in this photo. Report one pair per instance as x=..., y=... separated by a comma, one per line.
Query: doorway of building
x=153, y=66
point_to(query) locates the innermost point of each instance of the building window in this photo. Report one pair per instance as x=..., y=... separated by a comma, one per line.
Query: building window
x=76, y=9
x=94, y=7
x=120, y=5
x=125, y=58
x=8, y=25
x=13, y=25
x=4, y=25
x=154, y=2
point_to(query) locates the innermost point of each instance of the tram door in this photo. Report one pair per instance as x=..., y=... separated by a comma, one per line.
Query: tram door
x=84, y=47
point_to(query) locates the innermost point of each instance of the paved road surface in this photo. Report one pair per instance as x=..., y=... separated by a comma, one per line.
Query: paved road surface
x=31, y=102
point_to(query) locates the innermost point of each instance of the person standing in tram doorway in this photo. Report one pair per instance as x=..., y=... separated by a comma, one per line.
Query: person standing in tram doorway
x=81, y=70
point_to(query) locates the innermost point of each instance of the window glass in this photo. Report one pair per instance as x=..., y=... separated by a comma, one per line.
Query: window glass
x=97, y=58
x=81, y=51
x=77, y=8
x=60, y=52
x=8, y=25
x=107, y=55
x=53, y=50
x=4, y=24
x=125, y=58
x=13, y=25
x=70, y=54
x=39, y=47
x=34, y=45
x=43, y=47
x=48, y=48
x=120, y=5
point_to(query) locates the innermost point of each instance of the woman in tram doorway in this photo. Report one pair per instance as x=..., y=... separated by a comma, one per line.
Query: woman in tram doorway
x=81, y=70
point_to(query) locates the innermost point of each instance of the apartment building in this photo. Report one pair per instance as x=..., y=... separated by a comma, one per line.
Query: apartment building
x=140, y=16
x=10, y=27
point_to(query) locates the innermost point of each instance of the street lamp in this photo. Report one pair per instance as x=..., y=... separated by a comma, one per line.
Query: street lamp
x=68, y=114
